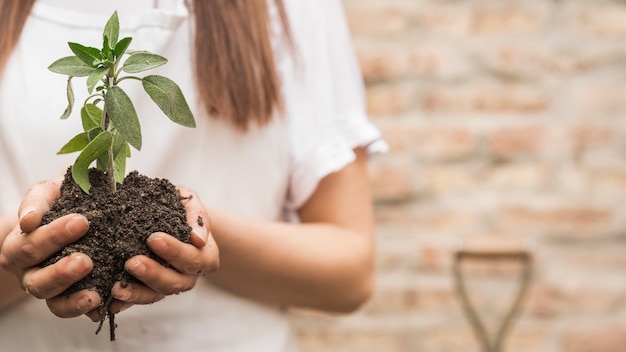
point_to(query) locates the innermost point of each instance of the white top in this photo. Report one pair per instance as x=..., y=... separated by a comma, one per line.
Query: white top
x=266, y=173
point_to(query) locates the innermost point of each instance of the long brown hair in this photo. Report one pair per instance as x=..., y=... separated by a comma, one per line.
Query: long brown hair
x=233, y=60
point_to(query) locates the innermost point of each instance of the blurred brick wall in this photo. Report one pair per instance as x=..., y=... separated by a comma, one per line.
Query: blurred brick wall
x=505, y=118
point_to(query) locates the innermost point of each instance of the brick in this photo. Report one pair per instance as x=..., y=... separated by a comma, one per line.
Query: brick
x=396, y=213
x=482, y=268
x=391, y=181
x=392, y=257
x=510, y=142
x=444, y=219
x=595, y=339
x=431, y=142
x=520, y=176
x=352, y=341
x=478, y=19
x=390, y=99
x=486, y=99
x=604, y=18
x=567, y=221
x=449, y=179
x=546, y=301
x=506, y=19
x=374, y=19
x=564, y=296
x=452, y=337
x=533, y=337
x=599, y=55
x=433, y=255
x=451, y=20
x=603, y=257
x=410, y=299
x=523, y=60
x=594, y=136
x=596, y=96
x=382, y=63
x=610, y=178
x=385, y=62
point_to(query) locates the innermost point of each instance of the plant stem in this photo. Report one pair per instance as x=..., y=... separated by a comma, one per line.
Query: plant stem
x=111, y=165
x=111, y=171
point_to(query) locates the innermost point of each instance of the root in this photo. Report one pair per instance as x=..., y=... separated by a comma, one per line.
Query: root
x=104, y=313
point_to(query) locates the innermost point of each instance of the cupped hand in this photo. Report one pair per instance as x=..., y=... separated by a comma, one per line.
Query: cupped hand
x=188, y=261
x=29, y=244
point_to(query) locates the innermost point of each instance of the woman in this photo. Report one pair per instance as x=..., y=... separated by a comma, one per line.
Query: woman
x=277, y=163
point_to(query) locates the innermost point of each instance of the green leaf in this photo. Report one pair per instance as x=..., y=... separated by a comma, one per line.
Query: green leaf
x=123, y=115
x=142, y=61
x=168, y=96
x=91, y=116
x=102, y=163
x=90, y=56
x=70, y=99
x=127, y=150
x=121, y=151
x=106, y=49
x=121, y=46
x=112, y=30
x=76, y=144
x=71, y=66
x=97, y=147
x=118, y=143
x=119, y=163
x=94, y=132
x=95, y=77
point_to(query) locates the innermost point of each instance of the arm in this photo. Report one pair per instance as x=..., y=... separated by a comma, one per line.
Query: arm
x=10, y=290
x=326, y=262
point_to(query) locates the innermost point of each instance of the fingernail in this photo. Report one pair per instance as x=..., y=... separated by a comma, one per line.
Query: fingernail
x=85, y=304
x=137, y=268
x=125, y=306
x=199, y=237
x=124, y=295
x=27, y=212
x=28, y=221
x=77, y=225
x=77, y=264
x=157, y=243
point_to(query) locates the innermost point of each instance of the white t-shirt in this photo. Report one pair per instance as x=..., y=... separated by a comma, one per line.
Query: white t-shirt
x=266, y=173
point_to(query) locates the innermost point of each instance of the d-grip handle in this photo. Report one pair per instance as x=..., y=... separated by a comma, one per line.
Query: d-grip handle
x=495, y=252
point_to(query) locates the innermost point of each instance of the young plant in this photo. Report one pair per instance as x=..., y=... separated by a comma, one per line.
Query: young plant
x=109, y=120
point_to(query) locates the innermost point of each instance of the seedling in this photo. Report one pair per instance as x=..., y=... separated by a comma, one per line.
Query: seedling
x=109, y=120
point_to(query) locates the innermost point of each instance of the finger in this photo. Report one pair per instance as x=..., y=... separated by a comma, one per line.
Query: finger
x=115, y=307
x=36, y=202
x=74, y=305
x=163, y=280
x=52, y=280
x=184, y=257
x=118, y=306
x=26, y=250
x=95, y=315
x=133, y=293
x=197, y=217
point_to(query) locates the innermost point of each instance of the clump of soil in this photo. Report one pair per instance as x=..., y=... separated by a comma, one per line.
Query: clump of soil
x=119, y=224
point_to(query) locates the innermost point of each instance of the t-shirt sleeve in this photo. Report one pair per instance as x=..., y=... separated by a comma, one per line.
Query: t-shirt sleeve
x=323, y=139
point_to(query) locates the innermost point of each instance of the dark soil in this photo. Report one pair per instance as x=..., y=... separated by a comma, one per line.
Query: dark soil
x=119, y=224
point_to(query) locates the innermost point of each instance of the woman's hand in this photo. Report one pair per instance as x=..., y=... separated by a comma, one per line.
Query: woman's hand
x=28, y=244
x=189, y=261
